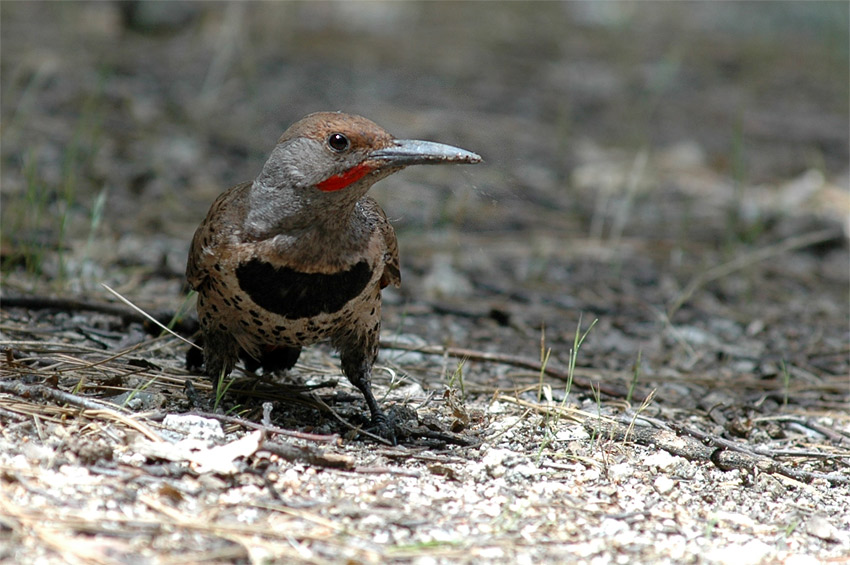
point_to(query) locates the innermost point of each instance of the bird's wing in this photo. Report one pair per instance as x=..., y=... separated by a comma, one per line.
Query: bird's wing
x=392, y=270
x=211, y=235
x=195, y=271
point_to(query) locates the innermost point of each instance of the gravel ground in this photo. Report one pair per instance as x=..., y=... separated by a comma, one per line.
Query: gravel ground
x=623, y=338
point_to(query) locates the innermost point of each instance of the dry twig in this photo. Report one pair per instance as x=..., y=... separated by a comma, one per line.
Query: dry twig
x=725, y=455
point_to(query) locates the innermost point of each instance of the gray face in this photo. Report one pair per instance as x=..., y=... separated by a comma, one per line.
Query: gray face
x=286, y=195
x=305, y=162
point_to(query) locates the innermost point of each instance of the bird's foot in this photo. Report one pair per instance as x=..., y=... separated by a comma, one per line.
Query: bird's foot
x=384, y=427
x=394, y=425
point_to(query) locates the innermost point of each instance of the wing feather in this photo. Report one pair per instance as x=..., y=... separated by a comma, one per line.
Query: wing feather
x=392, y=270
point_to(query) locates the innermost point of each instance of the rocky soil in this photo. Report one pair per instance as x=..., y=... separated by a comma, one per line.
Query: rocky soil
x=623, y=338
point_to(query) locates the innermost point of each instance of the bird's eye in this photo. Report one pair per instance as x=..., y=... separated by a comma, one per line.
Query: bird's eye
x=338, y=142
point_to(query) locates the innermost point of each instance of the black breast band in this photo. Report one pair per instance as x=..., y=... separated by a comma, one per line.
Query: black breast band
x=293, y=294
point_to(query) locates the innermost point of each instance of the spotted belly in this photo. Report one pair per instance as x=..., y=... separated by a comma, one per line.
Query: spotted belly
x=281, y=307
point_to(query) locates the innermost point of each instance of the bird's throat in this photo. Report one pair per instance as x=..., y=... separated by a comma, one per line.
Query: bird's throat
x=340, y=181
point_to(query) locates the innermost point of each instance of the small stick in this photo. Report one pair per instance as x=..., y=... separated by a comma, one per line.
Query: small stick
x=148, y=316
x=41, y=391
x=725, y=455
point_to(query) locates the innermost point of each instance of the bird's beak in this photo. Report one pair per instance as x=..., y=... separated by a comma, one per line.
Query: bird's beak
x=404, y=152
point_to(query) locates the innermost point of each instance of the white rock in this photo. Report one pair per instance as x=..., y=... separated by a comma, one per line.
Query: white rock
x=611, y=527
x=491, y=553
x=572, y=433
x=497, y=408
x=662, y=460
x=822, y=528
x=750, y=553
x=194, y=427
x=494, y=461
x=664, y=484
x=37, y=452
x=527, y=470
x=621, y=471
x=495, y=457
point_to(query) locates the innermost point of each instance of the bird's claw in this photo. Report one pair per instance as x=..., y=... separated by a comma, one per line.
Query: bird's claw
x=395, y=424
x=384, y=427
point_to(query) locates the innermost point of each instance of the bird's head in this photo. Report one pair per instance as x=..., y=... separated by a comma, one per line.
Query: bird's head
x=331, y=159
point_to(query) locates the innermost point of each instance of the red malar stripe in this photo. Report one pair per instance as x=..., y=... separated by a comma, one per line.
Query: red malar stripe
x=342, y=180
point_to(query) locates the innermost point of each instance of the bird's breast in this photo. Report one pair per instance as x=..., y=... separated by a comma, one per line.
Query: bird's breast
x=293, y=294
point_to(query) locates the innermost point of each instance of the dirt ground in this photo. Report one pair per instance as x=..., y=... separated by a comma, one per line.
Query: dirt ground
x=625, y=337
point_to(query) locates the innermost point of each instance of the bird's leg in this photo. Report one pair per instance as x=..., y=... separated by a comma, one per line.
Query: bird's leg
x=195, y=355
x=362, y=379
x=220, y=354
x=357, y=367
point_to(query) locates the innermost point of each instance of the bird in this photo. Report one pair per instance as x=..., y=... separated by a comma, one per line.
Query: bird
x=301, y=254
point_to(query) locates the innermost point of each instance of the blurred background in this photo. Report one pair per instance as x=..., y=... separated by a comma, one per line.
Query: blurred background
x=630, y=148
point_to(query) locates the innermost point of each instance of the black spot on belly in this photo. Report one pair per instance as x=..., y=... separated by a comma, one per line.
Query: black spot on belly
x=293, y=294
